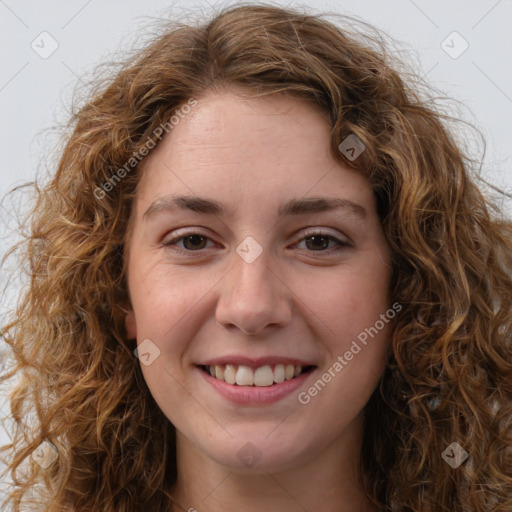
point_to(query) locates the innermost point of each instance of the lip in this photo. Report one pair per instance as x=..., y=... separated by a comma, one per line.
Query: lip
x=255, y=395
x=254, y=362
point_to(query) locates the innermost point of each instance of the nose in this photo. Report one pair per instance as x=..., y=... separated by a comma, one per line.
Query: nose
x=253, y=297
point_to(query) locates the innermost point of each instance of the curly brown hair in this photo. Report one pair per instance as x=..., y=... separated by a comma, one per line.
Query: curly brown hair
x=449, y=375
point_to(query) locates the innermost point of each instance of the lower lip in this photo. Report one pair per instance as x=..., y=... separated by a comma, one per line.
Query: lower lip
x=255, y=395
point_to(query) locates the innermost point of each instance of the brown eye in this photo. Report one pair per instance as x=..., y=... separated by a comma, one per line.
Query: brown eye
x=189, y=242
x=322, y=242
x=194, y=242
x=317, y=242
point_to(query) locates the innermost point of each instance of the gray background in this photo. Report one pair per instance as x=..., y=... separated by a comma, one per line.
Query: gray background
x=36, y=88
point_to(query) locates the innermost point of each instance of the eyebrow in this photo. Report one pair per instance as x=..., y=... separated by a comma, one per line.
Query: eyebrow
x=171, y=203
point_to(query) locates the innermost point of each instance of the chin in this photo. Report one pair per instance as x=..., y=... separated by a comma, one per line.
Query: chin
x=256, y=456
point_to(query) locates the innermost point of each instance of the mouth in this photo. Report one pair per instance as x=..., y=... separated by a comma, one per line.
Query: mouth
x=262, y=376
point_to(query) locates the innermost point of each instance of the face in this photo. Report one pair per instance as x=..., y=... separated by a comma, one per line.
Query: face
x=258, y=257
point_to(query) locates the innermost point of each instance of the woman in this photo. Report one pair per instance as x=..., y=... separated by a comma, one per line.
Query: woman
x=262, y=278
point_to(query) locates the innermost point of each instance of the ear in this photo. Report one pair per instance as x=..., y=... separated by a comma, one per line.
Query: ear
x=130, y=325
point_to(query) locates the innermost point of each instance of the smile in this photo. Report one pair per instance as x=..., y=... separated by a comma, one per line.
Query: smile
x=262, y=376
x=255, y=386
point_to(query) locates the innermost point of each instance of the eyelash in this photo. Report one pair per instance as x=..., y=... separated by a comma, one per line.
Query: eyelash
x=341, y=245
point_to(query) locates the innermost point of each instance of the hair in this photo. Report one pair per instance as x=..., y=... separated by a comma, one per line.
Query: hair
x=448, y=377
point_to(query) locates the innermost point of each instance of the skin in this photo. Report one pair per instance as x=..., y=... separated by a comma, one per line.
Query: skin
x=294, y=300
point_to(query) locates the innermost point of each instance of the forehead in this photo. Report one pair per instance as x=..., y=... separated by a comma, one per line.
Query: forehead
x=238, y=147
x=232, y=122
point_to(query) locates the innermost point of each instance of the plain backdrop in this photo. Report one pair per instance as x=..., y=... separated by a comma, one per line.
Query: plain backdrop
x=48, y=47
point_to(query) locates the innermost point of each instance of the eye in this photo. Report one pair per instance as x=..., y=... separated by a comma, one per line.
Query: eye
x=314, y=241
x=319, y=241
x=191, y=241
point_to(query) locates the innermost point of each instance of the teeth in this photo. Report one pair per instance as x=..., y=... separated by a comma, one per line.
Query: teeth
x=244, y=376
x=263, y=376
x=279, y=373
x=229, y=374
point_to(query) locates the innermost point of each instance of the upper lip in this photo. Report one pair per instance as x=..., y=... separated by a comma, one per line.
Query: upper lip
x=255, y=362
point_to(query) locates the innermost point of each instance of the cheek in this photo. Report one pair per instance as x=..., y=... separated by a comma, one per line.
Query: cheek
x=347, y=299
x=158, y=295
x=169, y=305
